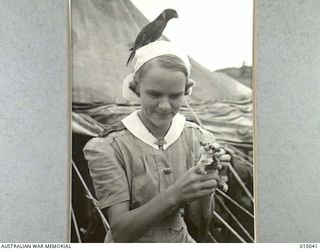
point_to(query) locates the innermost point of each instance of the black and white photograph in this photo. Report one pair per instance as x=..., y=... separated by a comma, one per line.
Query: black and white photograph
x=159, y=121
x=162, y=121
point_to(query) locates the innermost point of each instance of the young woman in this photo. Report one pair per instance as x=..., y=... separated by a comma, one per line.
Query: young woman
x=146, y=168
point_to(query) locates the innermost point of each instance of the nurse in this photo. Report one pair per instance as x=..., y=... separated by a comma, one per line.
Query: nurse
x=145, y=169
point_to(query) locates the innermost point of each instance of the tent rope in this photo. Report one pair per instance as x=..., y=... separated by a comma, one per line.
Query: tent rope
x=90, y=196
x=248, y=164
x=229, y=227
x=235, y=203
x=235, y=218
x=212, y=238
x=242, y=184
x=76, y=227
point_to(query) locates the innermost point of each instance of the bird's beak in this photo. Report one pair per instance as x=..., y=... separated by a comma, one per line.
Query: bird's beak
x=170, y=15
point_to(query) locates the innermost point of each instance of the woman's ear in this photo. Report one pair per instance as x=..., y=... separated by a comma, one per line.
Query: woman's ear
x=133, y=85
x=190, y=83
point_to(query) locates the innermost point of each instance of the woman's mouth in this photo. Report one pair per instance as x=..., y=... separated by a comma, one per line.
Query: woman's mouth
x=163, y=114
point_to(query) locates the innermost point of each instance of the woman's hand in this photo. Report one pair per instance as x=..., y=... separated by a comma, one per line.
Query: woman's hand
x=193, y=184
x=223, y=157
x=224, y=161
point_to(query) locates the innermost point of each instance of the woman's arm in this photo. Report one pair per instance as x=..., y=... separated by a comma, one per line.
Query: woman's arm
x=130, y=225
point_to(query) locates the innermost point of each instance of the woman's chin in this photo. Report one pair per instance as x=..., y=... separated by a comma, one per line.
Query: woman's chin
x=162, y=122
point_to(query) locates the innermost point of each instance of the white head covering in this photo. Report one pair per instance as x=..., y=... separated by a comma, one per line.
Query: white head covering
x=145, y=54
x=159, y=48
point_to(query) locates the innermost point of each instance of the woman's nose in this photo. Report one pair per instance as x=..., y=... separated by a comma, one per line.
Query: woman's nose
x=164, y=104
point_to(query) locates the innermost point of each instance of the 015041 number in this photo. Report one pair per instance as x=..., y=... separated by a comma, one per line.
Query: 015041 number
x=308, y=245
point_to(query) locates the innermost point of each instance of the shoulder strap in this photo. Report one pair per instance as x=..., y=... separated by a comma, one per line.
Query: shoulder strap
x=112, y=128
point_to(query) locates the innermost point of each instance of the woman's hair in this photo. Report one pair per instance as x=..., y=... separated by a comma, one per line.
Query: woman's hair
x=170, y=62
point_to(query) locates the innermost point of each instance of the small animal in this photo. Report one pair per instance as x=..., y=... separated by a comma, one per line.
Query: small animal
x=152, y=31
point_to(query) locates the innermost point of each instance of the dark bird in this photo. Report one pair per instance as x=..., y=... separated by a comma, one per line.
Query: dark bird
x=152, y=31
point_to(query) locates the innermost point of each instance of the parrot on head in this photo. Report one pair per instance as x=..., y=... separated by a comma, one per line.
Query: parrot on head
x=152, y=31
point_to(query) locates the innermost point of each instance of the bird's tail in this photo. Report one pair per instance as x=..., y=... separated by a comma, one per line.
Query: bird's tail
x=131, y=57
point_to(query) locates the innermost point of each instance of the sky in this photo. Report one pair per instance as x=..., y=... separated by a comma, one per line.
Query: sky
x=216, y=33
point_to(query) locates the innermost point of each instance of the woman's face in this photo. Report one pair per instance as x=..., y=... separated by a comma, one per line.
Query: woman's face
x=161, y=93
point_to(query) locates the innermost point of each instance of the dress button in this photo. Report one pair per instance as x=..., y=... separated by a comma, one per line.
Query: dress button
x=167, y=171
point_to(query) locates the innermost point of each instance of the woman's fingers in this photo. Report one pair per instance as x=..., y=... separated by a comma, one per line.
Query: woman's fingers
x=200, y=169
x=207, y=189
x=204, y=192
x=203, y=181
x=224, y=158
x=212, y=183
x=225, y=164
x=215, y=145
x=224, y=178
x=220, y=152
x=210, y=176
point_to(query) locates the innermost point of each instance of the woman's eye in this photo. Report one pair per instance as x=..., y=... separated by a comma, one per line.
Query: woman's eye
x=154, y=95
x=175, y=96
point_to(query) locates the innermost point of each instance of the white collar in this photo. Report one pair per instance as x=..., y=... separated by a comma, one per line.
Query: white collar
x=137, y=128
